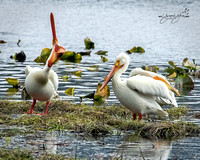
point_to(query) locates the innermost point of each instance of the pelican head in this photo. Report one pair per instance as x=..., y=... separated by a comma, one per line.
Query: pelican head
x=58, y=50
x=120, y=66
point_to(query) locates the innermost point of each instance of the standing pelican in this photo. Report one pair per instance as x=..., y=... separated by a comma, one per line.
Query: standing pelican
x=42, y=84
x=138, y=93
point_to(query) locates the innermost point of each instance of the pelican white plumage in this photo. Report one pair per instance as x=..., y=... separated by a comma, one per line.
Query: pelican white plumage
x=138, y=93
x=42, y=84
x=159, y=100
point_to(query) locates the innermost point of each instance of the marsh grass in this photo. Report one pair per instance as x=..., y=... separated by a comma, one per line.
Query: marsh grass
x=93, y=120
x=17, y=154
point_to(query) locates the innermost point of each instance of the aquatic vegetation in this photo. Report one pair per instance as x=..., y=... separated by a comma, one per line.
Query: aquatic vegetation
x=104, y=59
x=92, y=120
x=167, y=130
x=18, y=154
x=100, y=52
x=43, y=56
x=2, y=41
x=21, y=56
x=78, y=73
x=71, y=56
x=88, y=43
x=93, y=68
x=99, y=96
x=86, y=53
x=67, y=56
x=65, y=78
x=12, y=91
x=177, y=112
x=150, y=68
x=70, y=91
x=183, y=81
x=136, y=50
x=14, y=82
x=15, y=154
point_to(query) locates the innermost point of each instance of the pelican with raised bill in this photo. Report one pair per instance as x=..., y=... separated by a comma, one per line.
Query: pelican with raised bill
x=42, y=84
x=143, y=91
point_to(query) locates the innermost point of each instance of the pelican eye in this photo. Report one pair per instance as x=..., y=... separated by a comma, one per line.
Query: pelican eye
x=60, y=55
x=117, y=63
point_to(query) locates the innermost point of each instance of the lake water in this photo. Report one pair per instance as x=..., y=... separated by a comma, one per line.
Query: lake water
x=114, y=26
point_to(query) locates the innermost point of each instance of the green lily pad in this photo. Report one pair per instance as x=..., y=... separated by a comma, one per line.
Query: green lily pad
x=184, y=84
x=43, y=56
x=137, y=50
x=98, y=96
x=105, y=93
x=71, y=56
x=93, y=68
x=70, y=91
x=78, y=73
x=65, y=78
x=104, y=59
x=86, y=53
x=100, y=52
x=172, y=76
x=88, y=43
x=13, y=81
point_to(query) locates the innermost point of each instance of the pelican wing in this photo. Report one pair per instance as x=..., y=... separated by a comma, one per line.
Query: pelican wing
x=149, y=86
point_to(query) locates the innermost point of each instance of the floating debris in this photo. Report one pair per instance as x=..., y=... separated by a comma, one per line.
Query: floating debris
x=21, y=56
x=18, y=42
x=88, y=43
x=2, y=41
x=100, y=52
x=70, y=91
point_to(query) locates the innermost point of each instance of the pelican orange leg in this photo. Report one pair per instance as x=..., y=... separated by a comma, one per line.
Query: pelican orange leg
x=47, y=106
x=33, y=104
x=134, y=116
x=140, y=116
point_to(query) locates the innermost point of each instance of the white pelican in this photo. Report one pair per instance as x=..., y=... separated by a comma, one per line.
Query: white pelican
x=139, y=93
x=42, y=84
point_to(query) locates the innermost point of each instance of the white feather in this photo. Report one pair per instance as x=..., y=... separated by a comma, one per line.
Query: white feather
x=149, y=86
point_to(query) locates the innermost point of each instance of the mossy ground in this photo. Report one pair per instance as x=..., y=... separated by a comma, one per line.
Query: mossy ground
x=17, y=154
x=63, y=115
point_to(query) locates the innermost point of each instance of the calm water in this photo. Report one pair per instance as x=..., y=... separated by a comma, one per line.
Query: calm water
x=114, y=26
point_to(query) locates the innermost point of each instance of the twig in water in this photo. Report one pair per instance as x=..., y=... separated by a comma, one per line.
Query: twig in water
x=141, y=154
